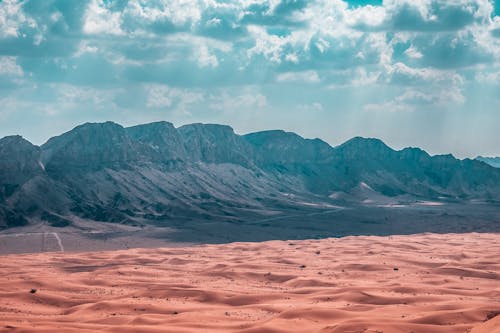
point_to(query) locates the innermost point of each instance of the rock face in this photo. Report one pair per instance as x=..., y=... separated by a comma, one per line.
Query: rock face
x=211, y=143
x=156, y=172
x=280, y=147
x=165, y=141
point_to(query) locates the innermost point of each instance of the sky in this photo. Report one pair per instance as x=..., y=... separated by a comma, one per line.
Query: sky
x=420, y=73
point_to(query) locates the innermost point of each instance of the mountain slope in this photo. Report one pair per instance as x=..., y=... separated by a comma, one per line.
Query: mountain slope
x=493, y=161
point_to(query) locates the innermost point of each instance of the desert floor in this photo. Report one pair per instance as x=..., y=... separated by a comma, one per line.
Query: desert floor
x=426, y=283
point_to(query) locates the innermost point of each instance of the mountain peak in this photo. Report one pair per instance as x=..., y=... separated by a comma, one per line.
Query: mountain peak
x=265, y=136
x=213, y=128
x=361, y=148
x=162, y=137
x=106, y=125
x=19, y=160
x=154, y=125
x=213, y=143
x=278, y=146
x=10, y=139
x=367, y=142
x=90, y=146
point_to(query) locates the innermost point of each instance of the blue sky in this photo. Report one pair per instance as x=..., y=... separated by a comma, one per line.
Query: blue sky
x=412, y=72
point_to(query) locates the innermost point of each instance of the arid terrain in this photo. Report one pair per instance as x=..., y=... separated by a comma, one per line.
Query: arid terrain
x=426, y=283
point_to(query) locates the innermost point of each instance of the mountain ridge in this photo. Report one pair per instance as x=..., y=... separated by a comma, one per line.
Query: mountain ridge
x=156, y=172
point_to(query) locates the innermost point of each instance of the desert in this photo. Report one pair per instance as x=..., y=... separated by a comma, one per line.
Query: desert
x=253, y=166
x=425, y=283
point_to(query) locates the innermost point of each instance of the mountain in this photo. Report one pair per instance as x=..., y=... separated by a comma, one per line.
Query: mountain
x=156, y=173
x=163, y=138
x=93, y=146
x=493, y=161
x=19, y=163
x=212, y=143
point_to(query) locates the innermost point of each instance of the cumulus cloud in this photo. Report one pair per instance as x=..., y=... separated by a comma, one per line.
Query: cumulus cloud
x=13, y=18
x=99, y=19
x=423, y=15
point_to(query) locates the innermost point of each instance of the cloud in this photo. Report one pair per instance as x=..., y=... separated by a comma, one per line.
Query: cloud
x=193, y=54
x=246, y=101
x=413, y=53
x=403, y=75
x=9, y=67
x=353, y=78
x=205, y=58
x=100, y=20
x=165, y=97
x=423, y=15
x=454, y=50
x=414, y=99
x=303, y=77
x=488, y=77
x=313, y=107
x=13, y=19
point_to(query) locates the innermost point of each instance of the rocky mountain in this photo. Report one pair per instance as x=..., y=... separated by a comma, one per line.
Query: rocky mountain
x=493, y=161
x=156, y=173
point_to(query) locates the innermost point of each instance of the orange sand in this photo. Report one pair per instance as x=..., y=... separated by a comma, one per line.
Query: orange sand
x=443, y=283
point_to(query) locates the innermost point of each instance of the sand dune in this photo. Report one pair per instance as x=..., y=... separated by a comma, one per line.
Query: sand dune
x=423, y=284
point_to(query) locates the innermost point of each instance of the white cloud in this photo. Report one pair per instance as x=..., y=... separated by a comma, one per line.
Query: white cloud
x=166, y=97
x=178, y=12
x=12, y=18
x=228, y=103
x=413, y=53
x=354, y=78
x=76, y=96
x=159, y=97
x=488, y=77
x=414, y=99
x=368, y=16
x=85, y=47
x=313, y=107
x=9, y=67
x=301, y=77
x=401, y=74
x=205, y=58
x=100, y=20
x=270, y=46
x=395, y=44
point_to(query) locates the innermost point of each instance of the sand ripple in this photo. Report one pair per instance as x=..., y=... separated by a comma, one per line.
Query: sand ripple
x=422, y=283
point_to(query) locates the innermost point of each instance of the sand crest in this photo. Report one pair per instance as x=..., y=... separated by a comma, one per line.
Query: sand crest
x=422, y=283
